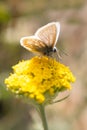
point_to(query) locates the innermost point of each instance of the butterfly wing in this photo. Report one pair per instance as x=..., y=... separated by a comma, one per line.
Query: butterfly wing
x=33, y=44
x=49, y=33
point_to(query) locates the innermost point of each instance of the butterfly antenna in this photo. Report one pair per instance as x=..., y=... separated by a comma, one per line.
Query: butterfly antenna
x=58, y=55
x=64, y=52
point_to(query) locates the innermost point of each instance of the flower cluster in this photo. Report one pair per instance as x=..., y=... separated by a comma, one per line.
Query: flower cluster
x=40, y=79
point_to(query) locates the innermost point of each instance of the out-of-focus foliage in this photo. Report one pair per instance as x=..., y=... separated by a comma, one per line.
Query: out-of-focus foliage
x=4, y=15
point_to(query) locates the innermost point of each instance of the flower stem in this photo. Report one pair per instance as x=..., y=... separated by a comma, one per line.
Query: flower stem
x=43, y=116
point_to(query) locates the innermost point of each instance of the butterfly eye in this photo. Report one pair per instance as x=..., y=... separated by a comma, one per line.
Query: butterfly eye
x=54, y=49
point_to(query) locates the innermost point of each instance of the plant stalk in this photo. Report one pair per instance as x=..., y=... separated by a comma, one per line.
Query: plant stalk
x=43, y=116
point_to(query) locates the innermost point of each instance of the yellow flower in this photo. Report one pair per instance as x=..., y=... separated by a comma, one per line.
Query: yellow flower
x=40, y=79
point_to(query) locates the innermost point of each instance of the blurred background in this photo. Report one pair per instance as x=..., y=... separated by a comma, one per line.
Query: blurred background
x=20, y=18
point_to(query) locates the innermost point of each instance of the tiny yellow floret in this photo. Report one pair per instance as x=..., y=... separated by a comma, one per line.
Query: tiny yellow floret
x=39, y=78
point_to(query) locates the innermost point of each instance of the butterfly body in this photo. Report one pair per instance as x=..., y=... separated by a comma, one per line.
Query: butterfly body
x=44, y=40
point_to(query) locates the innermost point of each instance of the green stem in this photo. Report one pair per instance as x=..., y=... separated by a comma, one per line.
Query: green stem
x=43, y=116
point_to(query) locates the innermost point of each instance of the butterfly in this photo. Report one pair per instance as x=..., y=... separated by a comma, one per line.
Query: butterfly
x=44, y=40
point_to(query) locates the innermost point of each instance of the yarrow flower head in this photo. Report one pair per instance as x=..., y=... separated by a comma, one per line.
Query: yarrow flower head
x=40, y=79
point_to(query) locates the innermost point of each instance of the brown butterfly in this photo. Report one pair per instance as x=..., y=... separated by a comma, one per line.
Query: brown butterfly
x=44, y=40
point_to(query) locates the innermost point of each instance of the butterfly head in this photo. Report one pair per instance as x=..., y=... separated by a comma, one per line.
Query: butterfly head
x=49, y=51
